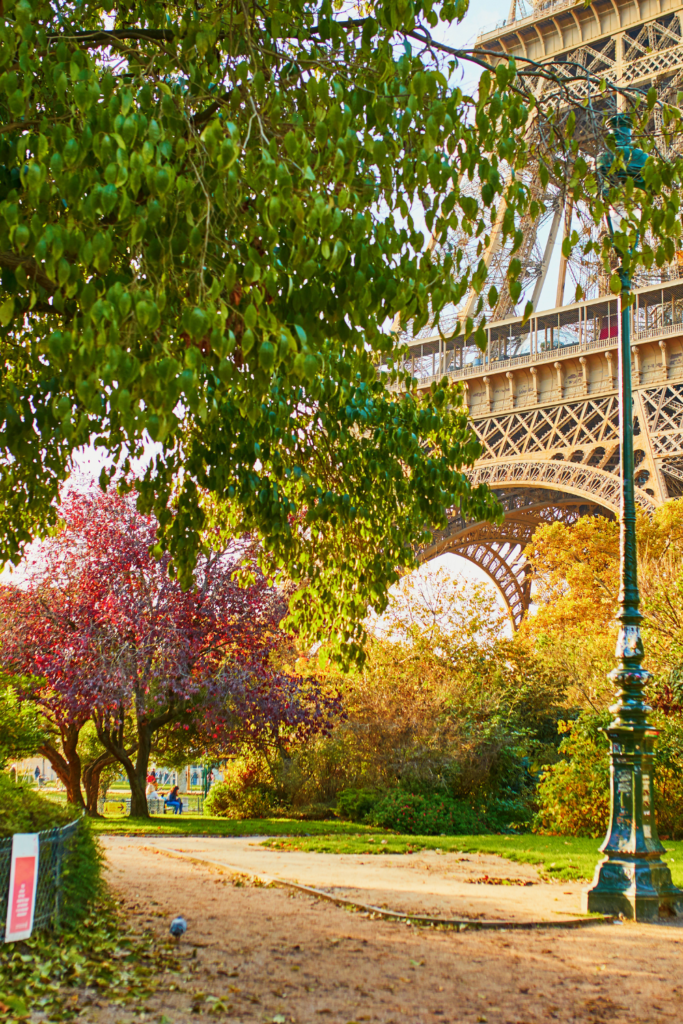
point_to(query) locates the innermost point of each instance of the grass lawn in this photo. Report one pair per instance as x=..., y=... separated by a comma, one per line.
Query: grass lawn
x=556, y=856
x=202, y=825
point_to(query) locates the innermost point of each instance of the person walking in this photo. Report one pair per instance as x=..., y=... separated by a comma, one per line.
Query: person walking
x=151, y=783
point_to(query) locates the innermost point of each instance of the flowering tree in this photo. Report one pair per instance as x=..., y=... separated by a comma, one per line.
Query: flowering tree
x=45, y=632
x=111, y=636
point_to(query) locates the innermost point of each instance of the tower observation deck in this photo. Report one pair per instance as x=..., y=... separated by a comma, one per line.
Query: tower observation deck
x=543, y=396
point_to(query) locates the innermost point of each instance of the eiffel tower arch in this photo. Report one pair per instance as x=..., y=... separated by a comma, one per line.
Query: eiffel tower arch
x=543, y=396
x=499, y=550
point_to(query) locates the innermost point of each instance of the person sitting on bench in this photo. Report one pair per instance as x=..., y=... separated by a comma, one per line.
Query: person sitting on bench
x=173, y=800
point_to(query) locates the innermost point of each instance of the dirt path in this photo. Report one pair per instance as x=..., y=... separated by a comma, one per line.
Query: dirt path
x=269, y=955
x=445, y=885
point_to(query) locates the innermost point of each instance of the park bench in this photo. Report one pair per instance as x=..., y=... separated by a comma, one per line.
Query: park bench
x=193, y=803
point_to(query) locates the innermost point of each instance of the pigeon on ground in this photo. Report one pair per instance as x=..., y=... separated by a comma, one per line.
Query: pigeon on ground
x=178, y=927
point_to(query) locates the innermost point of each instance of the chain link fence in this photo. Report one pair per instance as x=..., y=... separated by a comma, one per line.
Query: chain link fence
x=52, y=849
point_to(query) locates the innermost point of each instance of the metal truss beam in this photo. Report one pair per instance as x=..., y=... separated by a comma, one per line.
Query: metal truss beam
x=583, y=481
x=499, y=549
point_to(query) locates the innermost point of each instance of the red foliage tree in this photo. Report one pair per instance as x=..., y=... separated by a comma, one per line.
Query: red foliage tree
x=108, y=635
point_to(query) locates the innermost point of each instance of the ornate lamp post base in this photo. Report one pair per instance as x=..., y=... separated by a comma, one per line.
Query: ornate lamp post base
x=639, y=890
x=632, y=879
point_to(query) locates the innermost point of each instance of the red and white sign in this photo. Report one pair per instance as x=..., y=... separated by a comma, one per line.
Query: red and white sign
x=23, y=880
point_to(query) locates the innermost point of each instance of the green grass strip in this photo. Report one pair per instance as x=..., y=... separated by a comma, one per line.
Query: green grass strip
x=200, y=825
x=560, y=857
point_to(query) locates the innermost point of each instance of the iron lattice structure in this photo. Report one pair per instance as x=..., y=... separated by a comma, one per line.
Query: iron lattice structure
x=499, y=550
x=543, y=397
x=548, y=420
x=630, y=45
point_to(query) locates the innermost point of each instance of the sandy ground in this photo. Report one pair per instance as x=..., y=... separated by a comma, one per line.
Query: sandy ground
x=441, y=884
x=272, y=955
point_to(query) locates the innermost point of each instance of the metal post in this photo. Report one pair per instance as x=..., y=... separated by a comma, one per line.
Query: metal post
x=631, y=880
x=206, y=771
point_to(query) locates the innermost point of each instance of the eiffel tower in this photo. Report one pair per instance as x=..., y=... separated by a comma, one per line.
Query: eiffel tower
x=543, y=397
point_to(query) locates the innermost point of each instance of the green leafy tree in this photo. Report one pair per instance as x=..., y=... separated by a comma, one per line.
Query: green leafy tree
x=208, y=217
x=21, y=730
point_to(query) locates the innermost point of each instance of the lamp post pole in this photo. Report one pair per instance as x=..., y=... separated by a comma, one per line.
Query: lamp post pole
x=631, y=880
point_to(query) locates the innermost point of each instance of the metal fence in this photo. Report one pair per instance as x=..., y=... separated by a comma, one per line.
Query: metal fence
x=52, y=848
x=193, y=803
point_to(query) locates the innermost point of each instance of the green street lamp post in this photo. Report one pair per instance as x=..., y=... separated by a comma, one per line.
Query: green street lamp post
x=631, y=880
x=206, y=778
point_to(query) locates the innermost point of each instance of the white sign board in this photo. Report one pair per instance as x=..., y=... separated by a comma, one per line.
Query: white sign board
x=23, y=881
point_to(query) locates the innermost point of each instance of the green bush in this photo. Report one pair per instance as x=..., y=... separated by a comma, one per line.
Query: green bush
x=82, y=883
x=24, y=810
x=669, y=777
x=231, y=800
x=424, y=815
x=573, y=795
x=510, y=813
x=356, y=804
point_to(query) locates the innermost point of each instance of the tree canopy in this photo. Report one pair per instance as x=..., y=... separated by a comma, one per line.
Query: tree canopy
x=576, y=575
x=208, y=218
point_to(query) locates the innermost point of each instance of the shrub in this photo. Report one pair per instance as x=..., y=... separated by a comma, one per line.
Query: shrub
x=573, y=795
x=24, y=810
x=424, y=815
x=231, y=800
x=315, y=772
x=669, y=776
x=81, y=876
x=446, y=703
x=356, y=804
x=513, y=812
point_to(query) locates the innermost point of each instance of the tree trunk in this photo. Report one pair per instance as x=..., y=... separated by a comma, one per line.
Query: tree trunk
x=138, y=778
x=138, y=799
x=111, y=738
x=91, y=781
x=67, y=766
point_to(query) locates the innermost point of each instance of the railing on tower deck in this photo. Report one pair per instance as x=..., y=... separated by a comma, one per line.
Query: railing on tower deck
x=545, y=9
x=549, y=335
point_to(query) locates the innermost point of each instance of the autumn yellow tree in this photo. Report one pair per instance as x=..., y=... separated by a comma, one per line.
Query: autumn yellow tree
x=576, y=581
x=573, y=633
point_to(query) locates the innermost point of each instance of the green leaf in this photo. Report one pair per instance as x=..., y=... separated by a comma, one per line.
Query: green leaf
x=6, y=311
x=266, y=355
